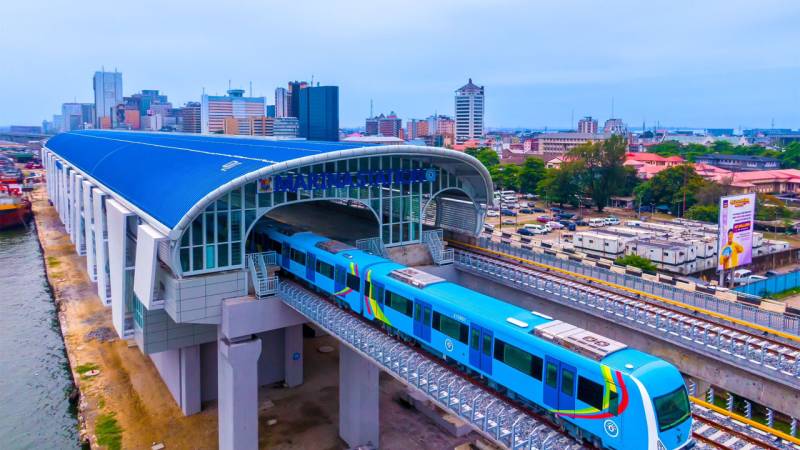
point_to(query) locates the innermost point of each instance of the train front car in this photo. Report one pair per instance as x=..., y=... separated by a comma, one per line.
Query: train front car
x=659, y=414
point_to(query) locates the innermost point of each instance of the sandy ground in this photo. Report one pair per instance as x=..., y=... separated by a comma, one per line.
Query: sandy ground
x=129, y=386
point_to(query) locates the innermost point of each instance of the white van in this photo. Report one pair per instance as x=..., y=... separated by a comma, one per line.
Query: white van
x=537, y=228
x=611, y=220
x=597, y=222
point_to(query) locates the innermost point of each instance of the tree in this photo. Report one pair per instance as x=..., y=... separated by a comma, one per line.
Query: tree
x=672, y=187
x=637, y=261
x=601, y=168
x=505, y=176
x=560, y=185
x=485, y=155
x=790, y=156
x=531, y=173
x=704, y=213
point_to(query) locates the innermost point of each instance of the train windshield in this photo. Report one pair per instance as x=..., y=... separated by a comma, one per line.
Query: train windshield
x=672, y=409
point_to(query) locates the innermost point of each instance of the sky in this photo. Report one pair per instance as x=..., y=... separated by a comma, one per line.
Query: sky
x=706, y=63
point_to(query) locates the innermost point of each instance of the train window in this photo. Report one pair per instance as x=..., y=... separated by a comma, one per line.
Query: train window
x=672, y=409
x=475, y=339
x=324, y=269
x=518, y=359
x=399, y=303
x=353, y=282
x=613, y=403
x=298, y=257
x=567, y=383
x=487, y=345
x=368, y=289
x=551, y=378
x=450, y=327
x=590, y=393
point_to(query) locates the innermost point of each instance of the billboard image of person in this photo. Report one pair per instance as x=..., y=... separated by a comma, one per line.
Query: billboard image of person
x=736, y=231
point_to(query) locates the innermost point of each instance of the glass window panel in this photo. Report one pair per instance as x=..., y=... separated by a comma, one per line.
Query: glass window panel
x=250, y=195
x=236, y=199
x=551, y=378
x=222, y=227
x=236, y=253
x=185, y=259
x=222, y=203
x=185, y=238
x=236, y=225
x=249, y=218
x=210, y=256
x=209, y=227
x=197, y=258
x=197, y=230
x=222, y=254
x=567, y=383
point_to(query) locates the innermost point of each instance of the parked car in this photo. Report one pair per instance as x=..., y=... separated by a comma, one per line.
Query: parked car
x=565, y=215
x=531, y=204
x=493, y=213
x=555, y=225
x=555, y=210
x=771, y=273
x=488, y=227
x=507, y=212
x=570, y=225
x=526, y=211
x=581, y=223
x=611, y=220
x=597, y=222
x=544, y=219
x=538, y=210
x=33, y=165
x=536, y=228
x=509, y=222
x=525, y=232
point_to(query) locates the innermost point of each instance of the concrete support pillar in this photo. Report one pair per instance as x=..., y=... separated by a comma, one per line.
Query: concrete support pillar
x=190, y=379
x=359, y=394
x=237, y=385
x=293, y=355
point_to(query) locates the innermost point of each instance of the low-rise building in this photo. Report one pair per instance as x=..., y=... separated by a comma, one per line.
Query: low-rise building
x=740, y=163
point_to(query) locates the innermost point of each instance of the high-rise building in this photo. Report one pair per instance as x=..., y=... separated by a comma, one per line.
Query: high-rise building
x=214, y=109
x=71, y=116
x=293, y=97
x=281, y=102
x=440, y=125
x=286, y=127
x=190, y=118
x=319, y=113
x=270, y=110
x=615, y=126
x=587, y=125
x=382, y=125
x=416, y=128
x=107, y=95
x=469, y=112
x=87, y=115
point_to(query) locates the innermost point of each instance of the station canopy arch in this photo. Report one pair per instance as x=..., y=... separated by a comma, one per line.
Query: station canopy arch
x=204, y=193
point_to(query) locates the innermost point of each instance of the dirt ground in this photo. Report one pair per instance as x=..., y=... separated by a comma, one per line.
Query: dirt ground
x=128, y=386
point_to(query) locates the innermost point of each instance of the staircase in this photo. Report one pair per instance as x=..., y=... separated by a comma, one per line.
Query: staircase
x=372, y=245
x=433, y=239
x=263, y=284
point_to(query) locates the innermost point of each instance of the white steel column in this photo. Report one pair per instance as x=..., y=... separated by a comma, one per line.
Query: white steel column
x=359, y=394
x=237, y=387
x=117, y=215
x=88, y=217
x=101, y=246
x=78, y=233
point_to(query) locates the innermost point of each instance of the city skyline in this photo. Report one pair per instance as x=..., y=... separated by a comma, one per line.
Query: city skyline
x=666, y=65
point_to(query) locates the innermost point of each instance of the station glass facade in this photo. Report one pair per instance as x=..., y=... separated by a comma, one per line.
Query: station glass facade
x=394, y=188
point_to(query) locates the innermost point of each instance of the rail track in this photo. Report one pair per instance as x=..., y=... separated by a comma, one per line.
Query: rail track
x=751, y=349
x=716, y=428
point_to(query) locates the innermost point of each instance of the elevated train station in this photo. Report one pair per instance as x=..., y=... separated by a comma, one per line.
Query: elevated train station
x=169, y=225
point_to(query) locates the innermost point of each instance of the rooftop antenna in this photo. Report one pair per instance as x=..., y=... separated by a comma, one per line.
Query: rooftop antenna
x=312, y=80
x=229, y=84
x=251, y=89
x=773, y=123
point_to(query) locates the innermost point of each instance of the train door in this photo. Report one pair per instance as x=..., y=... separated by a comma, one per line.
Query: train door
x=339, y=280
x=559, y=385
x=480, y=348
x=311, y=263
x=422, y=320
x=285, y=255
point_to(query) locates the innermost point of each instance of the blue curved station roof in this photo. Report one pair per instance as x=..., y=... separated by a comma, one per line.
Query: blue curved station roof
x=166, y=174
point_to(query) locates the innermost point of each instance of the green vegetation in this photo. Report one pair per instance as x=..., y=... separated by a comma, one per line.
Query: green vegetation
x=704, y=213
x=673, y=187
x=83, y=368
x=600, y=169
x=783, y=294
x=52, y=261
x=560, y=185
x=108, y=431
x=521, y=178
x=637, y=261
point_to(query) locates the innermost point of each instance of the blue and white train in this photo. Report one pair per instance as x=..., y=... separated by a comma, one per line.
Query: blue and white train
x=598, y=389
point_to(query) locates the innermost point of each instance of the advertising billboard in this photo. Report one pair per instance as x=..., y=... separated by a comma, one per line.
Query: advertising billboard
x=735, y=239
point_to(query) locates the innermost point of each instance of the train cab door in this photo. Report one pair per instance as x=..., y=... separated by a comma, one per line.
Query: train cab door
x=311, y=263
x=339, y=279
x=480, y=348
x=285, y=255
x=422, y=320
x=559, y=385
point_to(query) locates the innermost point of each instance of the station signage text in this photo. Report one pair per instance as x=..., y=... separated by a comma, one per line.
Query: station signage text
x=326, y=180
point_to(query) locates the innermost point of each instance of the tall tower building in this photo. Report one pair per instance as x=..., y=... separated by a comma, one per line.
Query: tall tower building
x=190, y=118
x=587, y=125
x=281, y=102
x=107, y=95
x=469, y=112
x=294, y=97
x=214, y=109
x=319, y=113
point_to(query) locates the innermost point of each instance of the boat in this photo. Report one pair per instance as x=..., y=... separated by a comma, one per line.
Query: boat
x=15, y=211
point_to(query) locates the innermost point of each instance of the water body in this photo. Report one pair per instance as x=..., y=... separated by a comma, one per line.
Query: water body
x=34, y=375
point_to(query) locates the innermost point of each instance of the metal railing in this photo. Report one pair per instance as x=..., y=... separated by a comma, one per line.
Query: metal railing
x=492, y=416
x=372, y=245
x=756, y=356
x=749, y=313
x=263, y=284
x=434, y=240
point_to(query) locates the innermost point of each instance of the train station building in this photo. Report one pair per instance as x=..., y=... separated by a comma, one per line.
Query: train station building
x=169, y=225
